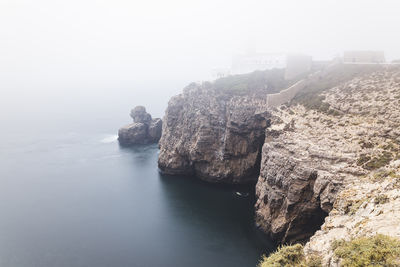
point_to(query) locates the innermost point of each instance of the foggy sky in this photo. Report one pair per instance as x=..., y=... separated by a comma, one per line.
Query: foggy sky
x=55, y=45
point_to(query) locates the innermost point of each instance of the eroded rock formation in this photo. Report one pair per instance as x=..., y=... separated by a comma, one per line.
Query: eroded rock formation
x=340, y=157
x=143, y=130
x=335, y=151
x=369, y=125
x=215, y=131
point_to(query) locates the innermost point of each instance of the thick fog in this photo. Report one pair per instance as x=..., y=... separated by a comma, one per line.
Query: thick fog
x=50, y=47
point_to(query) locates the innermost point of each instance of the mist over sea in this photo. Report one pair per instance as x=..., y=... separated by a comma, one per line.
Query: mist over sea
x=71, y=196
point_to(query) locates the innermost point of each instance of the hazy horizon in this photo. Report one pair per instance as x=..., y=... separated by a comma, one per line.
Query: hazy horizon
x=50, y=48
x=250, y=175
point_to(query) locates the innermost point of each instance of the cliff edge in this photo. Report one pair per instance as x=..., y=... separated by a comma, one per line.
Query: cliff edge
x=336, y=153
x=327, y=163
x=215, y=131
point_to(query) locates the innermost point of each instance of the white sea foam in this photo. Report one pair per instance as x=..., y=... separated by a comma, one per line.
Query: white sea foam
x=109, y=139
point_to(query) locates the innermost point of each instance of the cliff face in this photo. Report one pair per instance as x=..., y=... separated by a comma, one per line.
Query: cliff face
x=311, y=152
x=216, y=131
x=304, y=163
x=331, y=155
x=340, y=158
x=369, y=203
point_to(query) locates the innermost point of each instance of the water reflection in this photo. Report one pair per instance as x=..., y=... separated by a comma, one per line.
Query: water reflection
x=218, y=222
x=76, y=201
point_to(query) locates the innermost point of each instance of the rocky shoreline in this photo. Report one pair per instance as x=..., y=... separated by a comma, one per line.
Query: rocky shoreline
x=315, y=159
x=215, y=131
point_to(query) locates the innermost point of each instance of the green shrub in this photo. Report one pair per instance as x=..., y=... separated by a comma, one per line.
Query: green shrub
x=391, y=146
x=363, y=159
x=268, y=81
x=377, y=162
x=353, y=206
x=381, y=199
x=290, y=256
x=366, y=144
x=316, y=103
x=379, y=250
x=311, y=97
x=380, y=175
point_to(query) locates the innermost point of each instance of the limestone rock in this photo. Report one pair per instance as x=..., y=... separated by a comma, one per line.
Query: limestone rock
x=143, y=130
x=155, y=129
x=134, y=133
x=368, y=203
x=310, y=156
x=316, y=167
x=139, y=114
x=213, y=134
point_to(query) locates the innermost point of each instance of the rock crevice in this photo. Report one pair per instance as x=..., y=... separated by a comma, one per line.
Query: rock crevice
x=214, y=133
x=305, y=154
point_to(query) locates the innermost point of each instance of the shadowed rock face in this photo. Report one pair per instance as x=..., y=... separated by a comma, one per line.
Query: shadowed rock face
x=289, y=202
x=311, y=155
x=213, y=135
x=154, y=131
x=215, y=131
x=143, y=130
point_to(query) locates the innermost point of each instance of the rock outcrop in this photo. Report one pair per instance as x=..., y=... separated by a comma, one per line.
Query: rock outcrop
x=300, y=175
x=330, y=157
x=369, y=203
x=143, y=130
x=340, y=158
x=215, y=131
x=308, y=156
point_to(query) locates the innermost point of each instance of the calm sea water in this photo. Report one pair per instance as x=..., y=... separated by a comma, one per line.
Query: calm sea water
x=71, y=196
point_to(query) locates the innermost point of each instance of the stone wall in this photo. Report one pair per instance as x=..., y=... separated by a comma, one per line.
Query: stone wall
x=284, y=96
x=363, y=57
x=274, y=100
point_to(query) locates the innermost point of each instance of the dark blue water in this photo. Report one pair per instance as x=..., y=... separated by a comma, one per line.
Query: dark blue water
x=71, y=196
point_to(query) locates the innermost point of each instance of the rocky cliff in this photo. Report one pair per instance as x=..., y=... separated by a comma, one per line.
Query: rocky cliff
x=340, y=158
x=330, y=157
x=367, y=127
x=215, y=131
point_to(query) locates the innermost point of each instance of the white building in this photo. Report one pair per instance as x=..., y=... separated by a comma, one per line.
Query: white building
x=294, y=64
x=250, y=62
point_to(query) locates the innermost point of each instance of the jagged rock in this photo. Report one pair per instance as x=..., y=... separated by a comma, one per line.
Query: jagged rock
x=341, y=164
x=214, y=134
x=155, y=129
x=134, y=133
x=143, y=130
x=139, y=114
x=288, y=204
x=312, y=158
x=368, y=203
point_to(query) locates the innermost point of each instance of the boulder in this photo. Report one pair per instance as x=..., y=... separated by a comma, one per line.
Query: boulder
x=134, y=133
x=143, y=130
x=139, y=114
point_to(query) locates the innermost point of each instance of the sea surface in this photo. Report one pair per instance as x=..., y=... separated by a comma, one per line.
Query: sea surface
x=71, y=196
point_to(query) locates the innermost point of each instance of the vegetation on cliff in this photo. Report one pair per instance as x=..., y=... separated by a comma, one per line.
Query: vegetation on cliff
x=310, y=97
x=379, y=250
x=290, y=256
x=356, y=156
x=271, y=81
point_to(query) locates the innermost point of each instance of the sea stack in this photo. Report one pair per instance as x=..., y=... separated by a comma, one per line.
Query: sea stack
x=143, y=130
